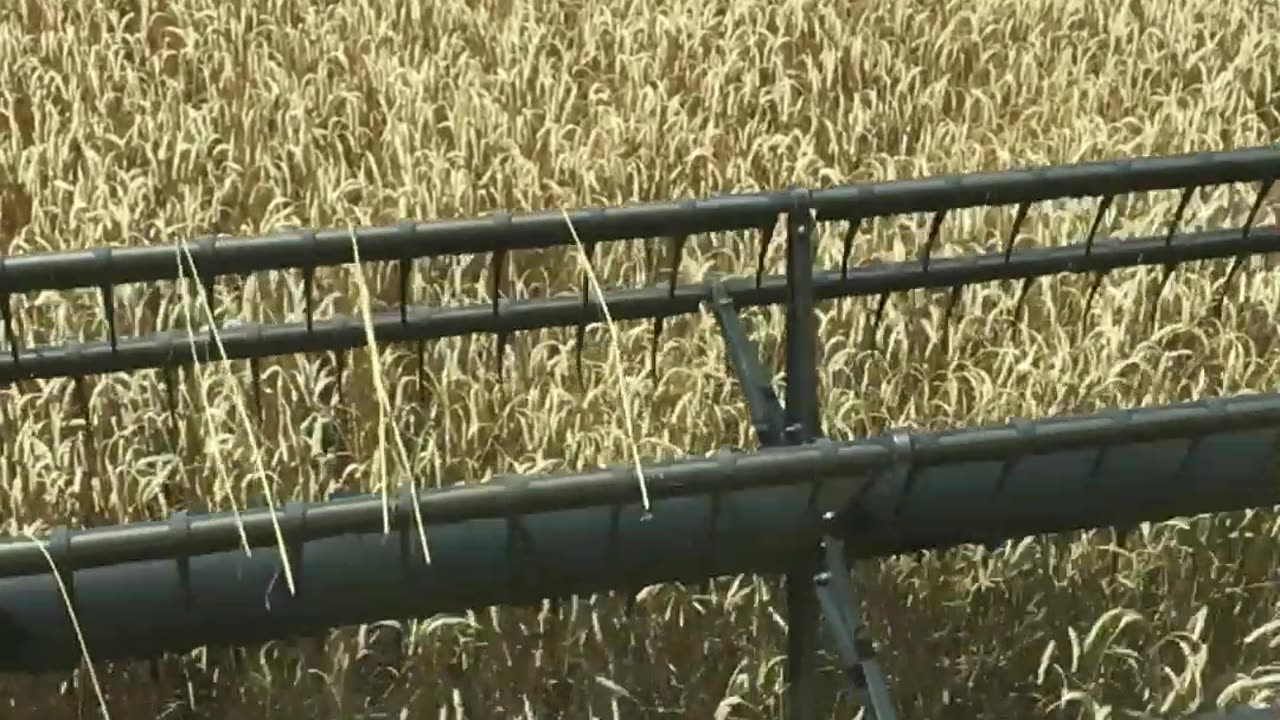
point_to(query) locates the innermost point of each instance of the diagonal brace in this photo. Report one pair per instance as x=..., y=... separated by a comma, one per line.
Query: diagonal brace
x=842, y=613
x=767, y=414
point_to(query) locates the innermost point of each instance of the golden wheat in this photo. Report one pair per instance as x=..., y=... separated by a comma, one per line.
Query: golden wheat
x=132, y=121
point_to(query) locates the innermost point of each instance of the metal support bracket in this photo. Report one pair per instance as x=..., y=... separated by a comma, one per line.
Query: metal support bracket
x=842, y=615
x=767, y=414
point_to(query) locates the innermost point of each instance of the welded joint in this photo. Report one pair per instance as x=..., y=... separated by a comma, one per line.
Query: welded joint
x=842, y=615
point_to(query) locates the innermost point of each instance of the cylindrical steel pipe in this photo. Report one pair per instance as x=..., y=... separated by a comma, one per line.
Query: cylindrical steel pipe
x=903, y=493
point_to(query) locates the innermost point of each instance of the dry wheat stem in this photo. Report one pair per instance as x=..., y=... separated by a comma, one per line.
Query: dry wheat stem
x=384, y=409
x=615, y=360
x=247, y=423
x=75, y=625
x=211, y=444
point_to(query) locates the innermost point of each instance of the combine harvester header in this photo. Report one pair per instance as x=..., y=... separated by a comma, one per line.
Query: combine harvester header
x=803, y=505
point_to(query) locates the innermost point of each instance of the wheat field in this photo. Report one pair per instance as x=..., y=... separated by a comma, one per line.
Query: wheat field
x=125, y=122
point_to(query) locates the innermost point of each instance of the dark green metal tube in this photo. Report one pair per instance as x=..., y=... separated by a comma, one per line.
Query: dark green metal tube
x=904, y=493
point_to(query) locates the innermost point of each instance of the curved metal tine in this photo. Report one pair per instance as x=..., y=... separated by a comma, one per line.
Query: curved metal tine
x=308, y=293
x=1093, y=291
x=586, y=295
x=1170, y=265
x=678, y=243
x=952, y=302
x=1103, y=206
x=109, y=313
x=495, y=282
x=1018, y=219
x=677, y=251
x=421, y=351
x=169, y=374
x=309, y=278
x=1263, y=190
x=11, y=335
x=935, y=226
x=405, y=270
x=340, y=368
x=255, y=374
x=653, y=348
x=500, y=350
x=766, y=235
x=1022, y=300
x=847, y=246
x=875, y=321
x=499, y=264
x=422, y=371
x=82, y=396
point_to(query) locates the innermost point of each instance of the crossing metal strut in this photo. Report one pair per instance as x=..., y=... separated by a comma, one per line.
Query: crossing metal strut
x=819, y=585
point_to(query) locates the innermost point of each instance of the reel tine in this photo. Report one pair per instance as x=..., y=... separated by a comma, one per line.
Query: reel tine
x=577, y=355
x=1023, y=209
x=308, y=290
x=1170, y=265
x=82, y=395
x=405, y=269
x=847, y=246
x=255, y=374
x=1103, y=206
x=935, y=226
x=653, y=351
x=952, y=302
x=408, y=229
x=677, y=252
x=1221, y=302
x=108, y=290
x=876, y=319
x=309, y=278
x=1022, y=300
x=422, y=371
x=499, y=265
x=169, y=374
x=109, y=312
x=6, y=315
x=1263, y=190
x=1093, y=291
x=766, y=235
x=501, y=338
x=340, y=369
x=647, y=243
x=582, y=324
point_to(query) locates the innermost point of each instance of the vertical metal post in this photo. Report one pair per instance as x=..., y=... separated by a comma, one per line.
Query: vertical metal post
x=802, y=325
x=802, y=427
